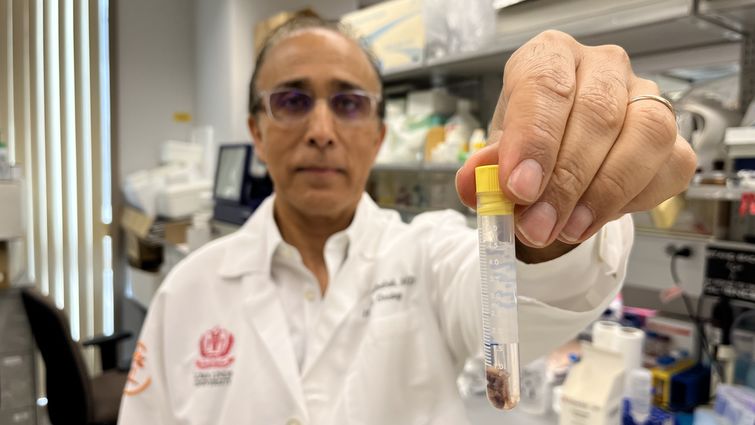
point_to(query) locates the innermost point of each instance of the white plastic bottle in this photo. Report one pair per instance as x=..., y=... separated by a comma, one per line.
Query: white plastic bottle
x=477, y=141
x=459, y=127
x=639, y=391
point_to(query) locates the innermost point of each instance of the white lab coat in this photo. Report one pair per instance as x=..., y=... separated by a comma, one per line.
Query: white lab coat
x=396, y=324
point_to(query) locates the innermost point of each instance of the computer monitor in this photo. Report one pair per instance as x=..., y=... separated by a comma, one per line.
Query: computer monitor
x=232, y=172
x=237, y=192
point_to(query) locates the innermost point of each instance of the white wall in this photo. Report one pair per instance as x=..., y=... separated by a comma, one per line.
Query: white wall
x=155, y=77
x=225, y=56
x=187, y=55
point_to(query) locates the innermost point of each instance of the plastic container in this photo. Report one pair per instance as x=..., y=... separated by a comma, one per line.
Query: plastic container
x=477, y=141
x=535, y=388
x=460, y=126
x=639, y=391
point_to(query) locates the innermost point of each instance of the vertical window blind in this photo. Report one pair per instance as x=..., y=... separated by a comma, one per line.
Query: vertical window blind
x=55, y=116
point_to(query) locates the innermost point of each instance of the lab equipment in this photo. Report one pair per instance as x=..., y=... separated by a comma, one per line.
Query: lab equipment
x=667, y=367
x=657, y=416
x=239, y=188
x=629, y=343
x=690, y=388
x=593, y=389
x=736, y=404
x=604, y=334
x=495, y=221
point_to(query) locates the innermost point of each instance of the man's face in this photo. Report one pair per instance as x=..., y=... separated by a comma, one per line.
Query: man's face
x=319, y=163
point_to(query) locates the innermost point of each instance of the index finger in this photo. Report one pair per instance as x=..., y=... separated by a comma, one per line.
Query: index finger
x=539, y=89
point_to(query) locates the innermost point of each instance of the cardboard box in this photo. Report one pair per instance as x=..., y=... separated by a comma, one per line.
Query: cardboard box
x=154, y=230
x=175, y=231
x=264, y=28
x=395, y=30
x=145, y=237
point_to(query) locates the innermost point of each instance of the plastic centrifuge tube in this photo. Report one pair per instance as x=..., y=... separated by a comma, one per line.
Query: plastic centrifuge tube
x=500, y=327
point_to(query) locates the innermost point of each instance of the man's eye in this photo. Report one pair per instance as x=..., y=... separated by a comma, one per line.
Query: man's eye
x=349, y=104
x=292, y=101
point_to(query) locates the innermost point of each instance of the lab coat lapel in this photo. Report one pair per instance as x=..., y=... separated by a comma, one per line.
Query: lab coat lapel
x=266, y=315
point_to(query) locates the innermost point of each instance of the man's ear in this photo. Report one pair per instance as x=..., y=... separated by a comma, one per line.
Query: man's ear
x=259, y=144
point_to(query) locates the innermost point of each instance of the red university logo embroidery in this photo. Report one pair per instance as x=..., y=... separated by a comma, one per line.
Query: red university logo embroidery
x=215, y=346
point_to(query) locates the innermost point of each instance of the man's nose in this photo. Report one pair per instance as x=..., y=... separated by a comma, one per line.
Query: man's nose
x=321, y=126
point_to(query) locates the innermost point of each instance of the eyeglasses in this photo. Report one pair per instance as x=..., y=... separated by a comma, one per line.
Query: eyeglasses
x=290, y=105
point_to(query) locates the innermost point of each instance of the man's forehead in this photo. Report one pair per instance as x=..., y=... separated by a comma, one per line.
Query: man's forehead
x=318, y=54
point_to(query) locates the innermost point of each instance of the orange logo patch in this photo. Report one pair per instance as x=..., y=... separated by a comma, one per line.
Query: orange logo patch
x=138, y=380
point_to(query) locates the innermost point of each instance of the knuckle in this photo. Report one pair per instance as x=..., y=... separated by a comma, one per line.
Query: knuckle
x=616, y=53
x=597, y=100
x=549, y=78
x=614, y=186
x=554, y=36
x=542, y=134
x=657, y=123
x=539, y=64
x=567, y=180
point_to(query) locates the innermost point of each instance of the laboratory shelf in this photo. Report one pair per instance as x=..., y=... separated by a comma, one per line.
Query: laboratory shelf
x=642, y=27
x=716, y=193
x=738, y=14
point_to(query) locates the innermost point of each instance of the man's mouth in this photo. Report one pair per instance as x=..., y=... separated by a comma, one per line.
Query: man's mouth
x=320, y=170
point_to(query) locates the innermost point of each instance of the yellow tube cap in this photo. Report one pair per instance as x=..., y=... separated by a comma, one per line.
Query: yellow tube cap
x=490, y=198
x=486, y=179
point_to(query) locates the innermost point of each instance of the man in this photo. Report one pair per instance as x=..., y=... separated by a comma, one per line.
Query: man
x=324, y=309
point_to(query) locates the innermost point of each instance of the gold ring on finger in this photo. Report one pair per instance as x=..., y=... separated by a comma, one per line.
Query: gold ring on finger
x=660, y=99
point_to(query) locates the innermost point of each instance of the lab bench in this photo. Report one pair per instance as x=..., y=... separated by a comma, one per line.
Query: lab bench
x=480, y=412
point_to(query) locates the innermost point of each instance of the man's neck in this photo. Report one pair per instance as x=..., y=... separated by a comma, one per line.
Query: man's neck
x=308, y=234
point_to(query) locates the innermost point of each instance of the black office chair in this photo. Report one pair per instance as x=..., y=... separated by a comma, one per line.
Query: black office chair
x=73, y=397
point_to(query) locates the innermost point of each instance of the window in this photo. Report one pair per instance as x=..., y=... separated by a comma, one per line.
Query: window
x=55, y=114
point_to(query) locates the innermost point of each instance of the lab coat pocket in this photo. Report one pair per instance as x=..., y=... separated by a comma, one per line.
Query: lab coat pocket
x=391, y=381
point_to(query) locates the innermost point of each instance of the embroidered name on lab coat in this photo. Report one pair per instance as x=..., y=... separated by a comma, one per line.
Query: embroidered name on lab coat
x=388, y=293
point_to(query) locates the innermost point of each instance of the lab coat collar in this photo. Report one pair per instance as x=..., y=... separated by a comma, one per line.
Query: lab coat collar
x=252, y=248
x=246, y=246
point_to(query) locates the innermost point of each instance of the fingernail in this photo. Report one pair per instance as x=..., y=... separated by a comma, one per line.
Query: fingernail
x=581, y=218
x=537, y=223
x=525, y=180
